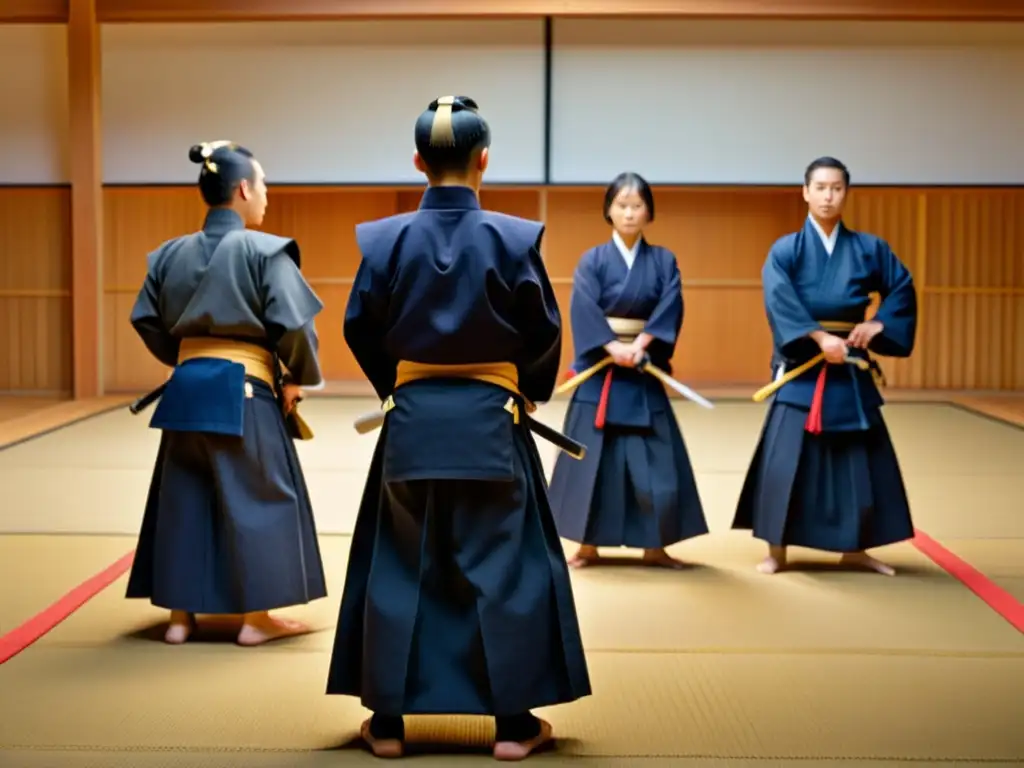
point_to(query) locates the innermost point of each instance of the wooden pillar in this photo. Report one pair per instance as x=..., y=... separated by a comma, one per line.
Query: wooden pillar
x=86, y=197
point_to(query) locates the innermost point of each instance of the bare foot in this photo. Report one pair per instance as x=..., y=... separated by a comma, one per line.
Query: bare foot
x=519, y=750
x=259, y=628
x=585, y=555
x=662, y=559
x=775, y=562
x=864, y=560
x=386, y=748
x=180, y=627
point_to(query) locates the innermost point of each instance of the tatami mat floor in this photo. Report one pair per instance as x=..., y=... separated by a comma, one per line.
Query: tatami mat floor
x=712, y=666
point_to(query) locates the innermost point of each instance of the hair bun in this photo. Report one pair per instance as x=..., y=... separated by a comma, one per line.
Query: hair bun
x=195, y=154
x=458, y=104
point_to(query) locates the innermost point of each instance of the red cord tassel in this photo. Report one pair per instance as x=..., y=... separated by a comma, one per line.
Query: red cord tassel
x=813, y=424
x=602, y=405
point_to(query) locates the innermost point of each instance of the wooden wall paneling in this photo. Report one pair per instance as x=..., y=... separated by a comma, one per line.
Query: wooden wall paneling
x=407, y=200
x=515, y=201
x=975, y=288
x=896, y=215
x=35, y=290
x=85, y=137
x=136, y=221
x=323, y=222
x=966, y=250
x=570, y=230
x=720, y=238
x=1018, y=335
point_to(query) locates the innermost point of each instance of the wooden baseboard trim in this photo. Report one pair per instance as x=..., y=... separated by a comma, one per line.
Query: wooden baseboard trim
x=42, y=421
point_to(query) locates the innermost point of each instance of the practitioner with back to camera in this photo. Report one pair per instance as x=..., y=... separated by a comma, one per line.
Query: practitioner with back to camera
x=457, y=597
x=228, y=526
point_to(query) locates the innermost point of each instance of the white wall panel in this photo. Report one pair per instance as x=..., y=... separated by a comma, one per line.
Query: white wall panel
x=331, y=102
x=740, y=102
x=33, y=104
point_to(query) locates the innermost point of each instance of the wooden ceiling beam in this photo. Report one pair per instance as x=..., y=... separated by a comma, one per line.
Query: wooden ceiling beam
x=122, y=11
x=853, y=10
x=313, y=10
x=33, y=11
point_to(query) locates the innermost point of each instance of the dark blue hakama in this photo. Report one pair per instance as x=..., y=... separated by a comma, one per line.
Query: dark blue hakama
x=634, y=488
x=457, y=598
x=228, y=526
x=839, y=489
x=636, y=485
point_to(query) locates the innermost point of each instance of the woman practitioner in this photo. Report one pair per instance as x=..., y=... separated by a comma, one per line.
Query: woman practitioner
x=635, y=488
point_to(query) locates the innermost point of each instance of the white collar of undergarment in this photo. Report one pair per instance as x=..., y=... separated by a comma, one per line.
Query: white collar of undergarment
x=829, y=241
x=629, y=254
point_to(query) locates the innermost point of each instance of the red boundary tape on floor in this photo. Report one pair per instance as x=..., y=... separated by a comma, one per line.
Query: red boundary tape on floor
x=997, y=598
x=20, y=638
